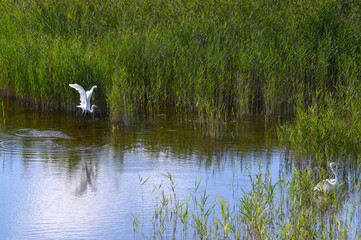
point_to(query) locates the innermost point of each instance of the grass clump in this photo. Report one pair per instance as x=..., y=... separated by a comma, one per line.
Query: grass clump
x=283, y=209
x=328, y=128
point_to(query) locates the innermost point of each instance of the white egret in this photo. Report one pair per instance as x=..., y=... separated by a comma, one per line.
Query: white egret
x=84, y=97
x=326, y=185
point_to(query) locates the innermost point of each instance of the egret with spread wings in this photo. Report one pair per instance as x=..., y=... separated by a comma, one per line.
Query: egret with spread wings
x=84, y=97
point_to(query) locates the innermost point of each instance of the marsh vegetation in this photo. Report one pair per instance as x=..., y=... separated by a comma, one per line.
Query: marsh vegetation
x=286, y=208
x=221, y=62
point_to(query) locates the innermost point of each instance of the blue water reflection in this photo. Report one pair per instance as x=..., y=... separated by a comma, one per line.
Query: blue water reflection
x=59, y=182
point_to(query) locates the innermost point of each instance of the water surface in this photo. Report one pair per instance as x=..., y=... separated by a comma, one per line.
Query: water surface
x=59, y=181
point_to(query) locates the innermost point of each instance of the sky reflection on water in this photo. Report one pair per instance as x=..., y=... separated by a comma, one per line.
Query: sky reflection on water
x=61, y=182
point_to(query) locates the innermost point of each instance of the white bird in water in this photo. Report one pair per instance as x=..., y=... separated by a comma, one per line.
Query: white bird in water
x=84, y=97
x=326, y=185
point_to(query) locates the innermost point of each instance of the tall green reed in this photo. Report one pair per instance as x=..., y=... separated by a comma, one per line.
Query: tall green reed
x=220, y=61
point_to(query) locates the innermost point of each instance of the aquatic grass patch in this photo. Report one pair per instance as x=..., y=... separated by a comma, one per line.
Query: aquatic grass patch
x=256, y=207
x=284, y=209
x=327, y=128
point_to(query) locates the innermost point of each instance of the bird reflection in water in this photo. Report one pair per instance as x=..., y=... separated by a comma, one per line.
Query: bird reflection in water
x=87, y=179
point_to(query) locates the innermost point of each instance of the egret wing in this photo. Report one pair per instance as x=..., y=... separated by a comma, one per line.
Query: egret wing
x=319, y=186
x=81, y=91
x=323, y=186
x=89, y=93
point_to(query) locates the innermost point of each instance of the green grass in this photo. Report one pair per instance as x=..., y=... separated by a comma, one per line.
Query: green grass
x=221, y=59
x=328, y=128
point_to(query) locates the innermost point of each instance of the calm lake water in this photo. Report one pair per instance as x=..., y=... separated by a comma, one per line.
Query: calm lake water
x=61, y=182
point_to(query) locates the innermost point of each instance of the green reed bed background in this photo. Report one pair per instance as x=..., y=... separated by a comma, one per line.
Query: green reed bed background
x=219, y=59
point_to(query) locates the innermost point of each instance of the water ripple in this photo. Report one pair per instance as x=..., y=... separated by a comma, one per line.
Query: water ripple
x=34, y=133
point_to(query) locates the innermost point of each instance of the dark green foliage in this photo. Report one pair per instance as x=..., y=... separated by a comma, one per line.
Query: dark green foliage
x=221, y=60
